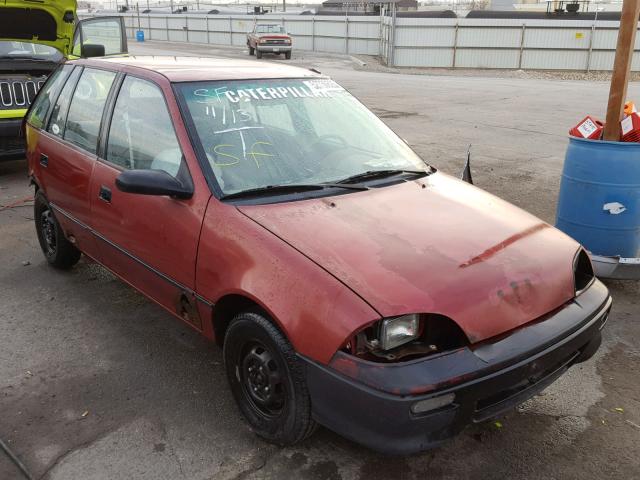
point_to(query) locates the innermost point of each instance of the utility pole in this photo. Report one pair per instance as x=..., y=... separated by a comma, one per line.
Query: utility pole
x=284, y=5
x=621, y=68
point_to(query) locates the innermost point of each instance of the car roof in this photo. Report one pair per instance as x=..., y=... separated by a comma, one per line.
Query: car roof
x=186, y=69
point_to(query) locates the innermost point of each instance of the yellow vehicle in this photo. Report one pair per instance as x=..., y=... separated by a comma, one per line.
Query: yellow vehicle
x=35, y=38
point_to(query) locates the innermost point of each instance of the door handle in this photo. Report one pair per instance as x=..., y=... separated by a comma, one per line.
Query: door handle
x=44, y=160
x=105, y=194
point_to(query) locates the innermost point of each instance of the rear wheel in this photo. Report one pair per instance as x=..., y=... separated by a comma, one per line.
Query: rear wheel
x=267, y=380
x=258, y=54
x=58, y=251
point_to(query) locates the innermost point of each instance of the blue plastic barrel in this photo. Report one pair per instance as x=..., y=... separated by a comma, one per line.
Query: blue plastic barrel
x=599, y=202
x=140, y=35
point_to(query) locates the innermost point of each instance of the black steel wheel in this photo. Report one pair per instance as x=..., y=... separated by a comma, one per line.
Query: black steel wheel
x=58, y=251
x=258, y=54
x=263, y=381
x=287, y=55
x=251, y=50
x=267, y=380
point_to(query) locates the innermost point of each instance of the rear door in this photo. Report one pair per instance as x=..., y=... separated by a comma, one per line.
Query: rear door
x=67, y=150
x=150, y=241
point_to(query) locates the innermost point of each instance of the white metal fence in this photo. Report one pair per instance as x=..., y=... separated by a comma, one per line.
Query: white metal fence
x=414, y=42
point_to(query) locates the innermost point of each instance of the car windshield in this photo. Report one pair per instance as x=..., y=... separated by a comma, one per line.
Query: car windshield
x=13, y=50
x=292, y=131
x=270, y=29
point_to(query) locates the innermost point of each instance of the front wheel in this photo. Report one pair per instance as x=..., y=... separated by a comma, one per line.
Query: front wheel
x=251, y=50
x=267, y=380
x=287, y=55
x=258, y=54
x=58, y=251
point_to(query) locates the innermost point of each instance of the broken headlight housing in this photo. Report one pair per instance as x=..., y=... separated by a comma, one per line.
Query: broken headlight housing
x=406, y=336
x=583, y=275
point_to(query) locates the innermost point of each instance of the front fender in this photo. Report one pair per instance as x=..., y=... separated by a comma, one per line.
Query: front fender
x=315, y=310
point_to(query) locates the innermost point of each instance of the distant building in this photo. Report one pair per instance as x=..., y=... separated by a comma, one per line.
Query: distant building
x=366, y=6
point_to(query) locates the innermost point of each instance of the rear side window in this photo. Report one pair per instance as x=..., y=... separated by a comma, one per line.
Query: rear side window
x=42, y=104
x=83, y=121
x=141, y=134
x=59, y=113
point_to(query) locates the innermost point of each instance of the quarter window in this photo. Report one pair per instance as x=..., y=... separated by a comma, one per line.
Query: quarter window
x=83, y=121
x=42, y=103
x=59, y=113
x=141, y=134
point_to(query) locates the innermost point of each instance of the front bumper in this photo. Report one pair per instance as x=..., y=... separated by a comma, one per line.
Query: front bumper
x=274, y=48
x=11, y=139
x=370, y=403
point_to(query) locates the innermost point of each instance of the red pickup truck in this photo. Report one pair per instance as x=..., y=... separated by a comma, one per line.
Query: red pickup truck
x=350, y=283
x=269, y=38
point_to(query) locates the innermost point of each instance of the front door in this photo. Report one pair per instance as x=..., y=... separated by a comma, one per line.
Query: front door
x=99, y=36
x=150, y=241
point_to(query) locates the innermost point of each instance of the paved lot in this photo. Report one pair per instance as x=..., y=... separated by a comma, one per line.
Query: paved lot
x=96, y=382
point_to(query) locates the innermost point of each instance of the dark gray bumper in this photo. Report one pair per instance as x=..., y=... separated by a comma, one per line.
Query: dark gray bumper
x=486, y=380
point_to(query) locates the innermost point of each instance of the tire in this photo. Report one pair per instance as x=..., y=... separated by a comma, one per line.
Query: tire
x=58, y=251
x=287, y=55
x=258, y=54
x=276, y=405
x=251, y=50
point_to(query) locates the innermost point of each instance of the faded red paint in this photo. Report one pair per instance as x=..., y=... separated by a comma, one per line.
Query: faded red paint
x=400, y=249
x=322, y=268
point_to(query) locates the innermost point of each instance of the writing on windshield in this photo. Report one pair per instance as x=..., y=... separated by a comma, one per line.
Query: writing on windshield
x=280, y=132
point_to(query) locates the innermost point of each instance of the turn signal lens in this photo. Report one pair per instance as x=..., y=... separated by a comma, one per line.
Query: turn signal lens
x=398, y=331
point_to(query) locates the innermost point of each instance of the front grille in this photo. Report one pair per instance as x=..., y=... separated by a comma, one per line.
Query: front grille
x=274, y=42
x=18, y=93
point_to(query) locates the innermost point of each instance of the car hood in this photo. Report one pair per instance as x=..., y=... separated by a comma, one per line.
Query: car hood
x=45, y=22
x=434, y=245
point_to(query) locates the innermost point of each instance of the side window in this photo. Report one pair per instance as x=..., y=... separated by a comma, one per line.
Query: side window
x=77, y=45
x=42, y=103
x=59, y=113
x=101, y=31
x=141, y=134
x=85, y=112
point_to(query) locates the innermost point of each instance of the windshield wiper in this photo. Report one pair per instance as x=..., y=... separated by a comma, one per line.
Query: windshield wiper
x=288, y=188
x=372, y=174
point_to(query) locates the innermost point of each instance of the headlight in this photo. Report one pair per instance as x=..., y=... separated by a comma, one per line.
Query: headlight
x=398, y=331
x=406, y=336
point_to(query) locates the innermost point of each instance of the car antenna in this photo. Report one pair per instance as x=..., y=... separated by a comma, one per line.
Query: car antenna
x=466, y=173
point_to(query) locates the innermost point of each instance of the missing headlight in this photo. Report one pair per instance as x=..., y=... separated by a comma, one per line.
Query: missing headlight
x=582, y=271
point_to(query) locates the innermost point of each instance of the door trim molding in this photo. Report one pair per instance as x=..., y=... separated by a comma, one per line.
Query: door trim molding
x=128, y=254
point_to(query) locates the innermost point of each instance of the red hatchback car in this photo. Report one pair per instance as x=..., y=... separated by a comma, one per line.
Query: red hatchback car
x=350, y=283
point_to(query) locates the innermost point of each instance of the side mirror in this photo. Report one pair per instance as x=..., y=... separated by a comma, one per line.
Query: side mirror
x=89, y=50
x=152, y=182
